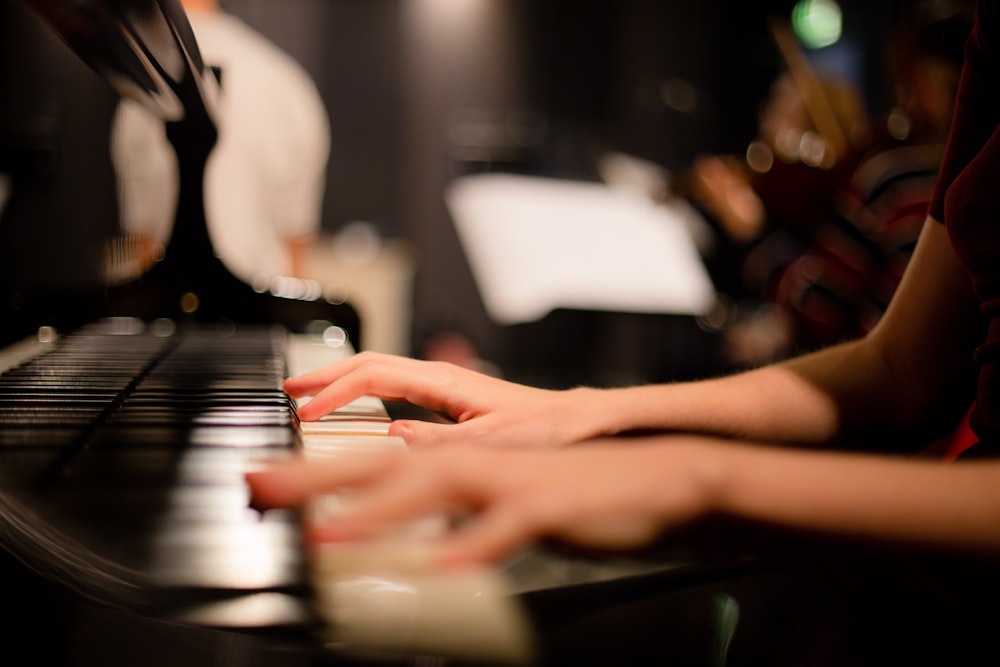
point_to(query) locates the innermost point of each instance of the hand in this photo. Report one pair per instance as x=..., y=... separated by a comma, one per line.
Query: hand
x=489, y=411
x=608, y=496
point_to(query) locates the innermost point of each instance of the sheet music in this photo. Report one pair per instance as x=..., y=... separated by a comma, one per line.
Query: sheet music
x=536, y=244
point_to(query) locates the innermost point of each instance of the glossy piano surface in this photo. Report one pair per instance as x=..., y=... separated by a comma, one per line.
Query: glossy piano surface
x=123, y=447
x=130, y=447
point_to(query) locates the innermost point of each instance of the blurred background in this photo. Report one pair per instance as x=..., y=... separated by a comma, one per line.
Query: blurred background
x=422, y=93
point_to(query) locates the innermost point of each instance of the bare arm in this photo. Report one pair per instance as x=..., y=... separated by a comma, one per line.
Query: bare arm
x=917, y=354
x=889, y=379
x=622, y=496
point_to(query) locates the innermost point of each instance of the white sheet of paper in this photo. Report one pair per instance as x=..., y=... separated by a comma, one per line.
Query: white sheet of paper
x=535, y=244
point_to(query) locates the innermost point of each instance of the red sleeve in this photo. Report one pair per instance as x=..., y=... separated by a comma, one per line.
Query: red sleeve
x=977, y=104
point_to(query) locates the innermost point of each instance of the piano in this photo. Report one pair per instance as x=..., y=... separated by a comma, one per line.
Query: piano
x=126, y=535
x=125, y=532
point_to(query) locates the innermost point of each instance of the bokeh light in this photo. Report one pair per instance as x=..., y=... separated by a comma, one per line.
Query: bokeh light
x=817, y=23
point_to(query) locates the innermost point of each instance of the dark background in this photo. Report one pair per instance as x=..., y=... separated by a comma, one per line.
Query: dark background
x=584, y=74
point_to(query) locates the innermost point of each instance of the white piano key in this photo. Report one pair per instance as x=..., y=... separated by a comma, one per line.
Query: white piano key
x=334, y=444
x=360, y=427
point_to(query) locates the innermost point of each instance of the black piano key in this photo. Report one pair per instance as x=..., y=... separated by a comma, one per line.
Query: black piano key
x=47, y=416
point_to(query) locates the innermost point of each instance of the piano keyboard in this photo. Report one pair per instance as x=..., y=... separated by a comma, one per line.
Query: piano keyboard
x=129, y=444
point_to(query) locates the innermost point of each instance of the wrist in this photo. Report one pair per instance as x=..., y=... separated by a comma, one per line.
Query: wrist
x=710, y=467
x=596, y=413
x=640, y=408
x=691, y=476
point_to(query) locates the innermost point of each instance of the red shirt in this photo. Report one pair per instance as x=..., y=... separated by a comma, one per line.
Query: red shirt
x=967, y=199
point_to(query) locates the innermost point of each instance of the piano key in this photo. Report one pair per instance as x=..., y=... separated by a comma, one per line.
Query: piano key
x=365, y=406
x=44, y=417
x=345, y=427
x=333, y=445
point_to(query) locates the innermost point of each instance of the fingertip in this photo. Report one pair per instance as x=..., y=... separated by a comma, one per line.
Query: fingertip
x=293, y=390
x=310, y=411
x=306, y=415
x=275, y=484
x=264, y=491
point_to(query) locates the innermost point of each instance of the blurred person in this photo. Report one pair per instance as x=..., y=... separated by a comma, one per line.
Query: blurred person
x=266, y=176
x=827, y=446
x=838, y=286
x=788, y=172
x=782, y=185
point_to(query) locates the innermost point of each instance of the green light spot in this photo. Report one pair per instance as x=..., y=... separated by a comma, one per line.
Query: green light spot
x=817, y=23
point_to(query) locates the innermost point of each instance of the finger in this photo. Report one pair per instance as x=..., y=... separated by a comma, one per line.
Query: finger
x=325, y=401
x=417, y=382
x=292, y=483
x=387, y=505
x=363, y=380
x=424, y=435
x=488, y=538
x=308, y=383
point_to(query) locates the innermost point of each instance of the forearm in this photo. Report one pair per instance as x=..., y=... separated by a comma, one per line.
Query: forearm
x=891, y=500
x=803, y=401
x=912, y=371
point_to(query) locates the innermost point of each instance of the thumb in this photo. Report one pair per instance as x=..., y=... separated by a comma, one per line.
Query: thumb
x=424, y=434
